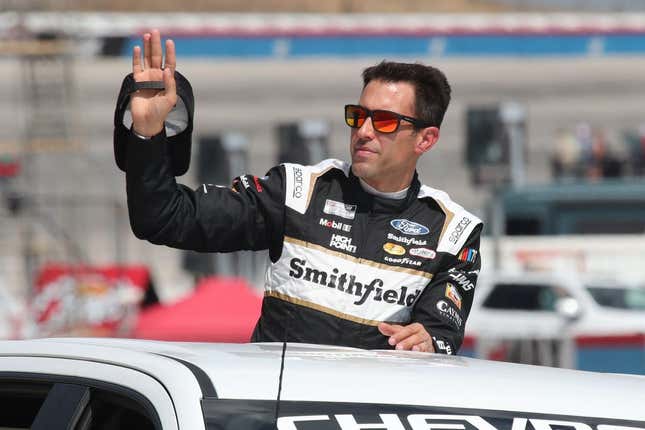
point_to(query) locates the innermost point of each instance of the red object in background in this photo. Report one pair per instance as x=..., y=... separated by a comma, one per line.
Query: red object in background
x=138, y=276
x=219, y=310
x=88, y=300
x=9, y=169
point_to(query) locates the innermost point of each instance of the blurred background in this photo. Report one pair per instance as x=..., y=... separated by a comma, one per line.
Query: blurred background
x=544, y=140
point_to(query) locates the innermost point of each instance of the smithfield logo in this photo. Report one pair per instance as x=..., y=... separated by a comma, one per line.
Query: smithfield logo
x=409, y=227
x=407, y=240
x=373, y=289
x=393, y=248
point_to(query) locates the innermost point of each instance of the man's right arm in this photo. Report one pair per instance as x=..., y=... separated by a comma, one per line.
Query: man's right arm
x=211, y=218
x=249, y=215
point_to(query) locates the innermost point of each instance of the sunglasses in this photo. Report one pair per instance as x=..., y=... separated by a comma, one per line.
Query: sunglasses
x=383, y=121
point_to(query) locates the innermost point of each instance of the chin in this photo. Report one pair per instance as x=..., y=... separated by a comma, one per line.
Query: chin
x=360, y=170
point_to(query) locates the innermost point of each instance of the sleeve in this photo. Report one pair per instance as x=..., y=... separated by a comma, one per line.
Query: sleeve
x=445, y=303
x=247, y=216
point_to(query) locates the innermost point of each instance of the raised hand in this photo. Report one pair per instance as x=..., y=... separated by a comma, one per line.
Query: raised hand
x=151, y=107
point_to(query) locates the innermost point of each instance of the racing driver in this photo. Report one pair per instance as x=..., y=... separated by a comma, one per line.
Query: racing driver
x=361, y=254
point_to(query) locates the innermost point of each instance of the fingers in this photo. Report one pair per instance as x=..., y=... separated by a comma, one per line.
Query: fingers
x=170, y=84
x=171, y=59
x=156, y=55
x=411, y=337
x=423, y=347
x=153, y=54
x=146, y=50
x=136, y=59
x=388, y=329
x=401, y=333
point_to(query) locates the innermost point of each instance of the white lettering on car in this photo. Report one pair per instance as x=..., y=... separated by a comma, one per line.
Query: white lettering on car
x=390, y=421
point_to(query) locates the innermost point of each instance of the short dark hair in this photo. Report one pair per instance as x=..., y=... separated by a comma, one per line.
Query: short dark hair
x=431, y=88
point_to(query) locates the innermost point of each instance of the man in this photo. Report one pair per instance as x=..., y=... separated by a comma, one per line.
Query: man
x=361, y=255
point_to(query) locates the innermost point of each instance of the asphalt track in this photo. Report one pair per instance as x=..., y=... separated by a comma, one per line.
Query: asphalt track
x=251, y=97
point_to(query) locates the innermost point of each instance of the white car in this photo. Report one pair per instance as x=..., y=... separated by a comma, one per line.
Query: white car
x=543, y=304
x=559, y=319
x=108, y=384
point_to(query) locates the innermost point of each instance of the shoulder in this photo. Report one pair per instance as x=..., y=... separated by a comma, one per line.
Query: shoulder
x=458, y=224
x=301, y=179
x=320, y=168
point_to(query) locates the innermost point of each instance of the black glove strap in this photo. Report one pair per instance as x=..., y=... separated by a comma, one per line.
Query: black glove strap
x=148, y=85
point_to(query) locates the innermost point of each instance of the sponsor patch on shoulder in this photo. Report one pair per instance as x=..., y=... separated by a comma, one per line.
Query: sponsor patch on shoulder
x=468, y=255
x=332, y=207
x=459, y=230
x=453, y=295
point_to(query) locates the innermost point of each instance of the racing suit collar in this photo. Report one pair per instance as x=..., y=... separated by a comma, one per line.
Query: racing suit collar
x=370, y=203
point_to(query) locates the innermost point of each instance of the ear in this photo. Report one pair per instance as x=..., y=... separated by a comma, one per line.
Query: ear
x=427, y=138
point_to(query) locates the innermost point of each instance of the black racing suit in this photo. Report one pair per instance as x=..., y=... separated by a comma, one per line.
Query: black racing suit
x=342, y=260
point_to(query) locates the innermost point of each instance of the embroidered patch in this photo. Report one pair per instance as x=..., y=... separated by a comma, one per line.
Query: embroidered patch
x=468, y=255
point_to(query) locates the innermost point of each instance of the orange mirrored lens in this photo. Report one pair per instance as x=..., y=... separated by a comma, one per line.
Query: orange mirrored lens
x=355, y=116
x=385, y=122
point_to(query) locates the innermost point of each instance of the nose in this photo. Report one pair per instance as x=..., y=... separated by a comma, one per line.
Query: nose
x=366, y=131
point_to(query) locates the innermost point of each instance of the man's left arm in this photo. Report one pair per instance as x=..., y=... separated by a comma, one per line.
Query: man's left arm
x=439, y=315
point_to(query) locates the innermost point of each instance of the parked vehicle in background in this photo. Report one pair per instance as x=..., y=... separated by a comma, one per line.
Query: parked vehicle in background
x=567, y=319
x=110, y=384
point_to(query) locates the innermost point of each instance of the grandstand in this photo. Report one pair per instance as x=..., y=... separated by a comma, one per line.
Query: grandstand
x=330, y=6
x=255, y=6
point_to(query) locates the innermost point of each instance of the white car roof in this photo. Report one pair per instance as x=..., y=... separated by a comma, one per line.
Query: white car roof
x=325, y=373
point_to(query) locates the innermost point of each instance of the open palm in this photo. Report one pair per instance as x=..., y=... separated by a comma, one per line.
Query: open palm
x=151, y=107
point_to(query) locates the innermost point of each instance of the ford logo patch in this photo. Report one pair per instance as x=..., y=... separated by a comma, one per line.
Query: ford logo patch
x=409, y=227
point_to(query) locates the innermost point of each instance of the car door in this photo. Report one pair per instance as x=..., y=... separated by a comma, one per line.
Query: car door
x=56, y=393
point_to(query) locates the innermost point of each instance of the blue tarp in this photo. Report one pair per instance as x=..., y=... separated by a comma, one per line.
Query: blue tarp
x=502, y=45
